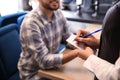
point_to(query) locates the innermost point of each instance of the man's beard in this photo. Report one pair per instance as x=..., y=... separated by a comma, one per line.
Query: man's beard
x=47, y=6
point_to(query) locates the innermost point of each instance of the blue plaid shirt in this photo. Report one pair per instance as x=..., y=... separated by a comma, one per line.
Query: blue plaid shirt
x=40, y=39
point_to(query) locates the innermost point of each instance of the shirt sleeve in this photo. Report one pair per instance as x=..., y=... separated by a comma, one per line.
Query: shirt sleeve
x=36, y=50
x=103, y=69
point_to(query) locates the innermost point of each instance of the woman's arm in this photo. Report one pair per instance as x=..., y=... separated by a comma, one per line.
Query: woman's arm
x=103, y=69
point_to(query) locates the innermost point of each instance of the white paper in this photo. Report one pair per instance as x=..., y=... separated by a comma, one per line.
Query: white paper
x=72, y=41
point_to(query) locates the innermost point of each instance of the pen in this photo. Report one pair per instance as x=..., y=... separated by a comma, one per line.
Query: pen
x=92, y=33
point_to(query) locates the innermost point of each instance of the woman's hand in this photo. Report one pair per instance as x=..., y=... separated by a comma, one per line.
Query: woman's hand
x=90, y=40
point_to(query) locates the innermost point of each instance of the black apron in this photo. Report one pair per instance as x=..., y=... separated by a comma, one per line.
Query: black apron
x=110, y=36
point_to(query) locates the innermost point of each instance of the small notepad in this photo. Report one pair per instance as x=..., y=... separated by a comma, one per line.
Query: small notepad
x=71, y=40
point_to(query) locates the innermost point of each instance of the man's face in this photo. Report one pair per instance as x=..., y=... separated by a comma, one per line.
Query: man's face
x=50, y=4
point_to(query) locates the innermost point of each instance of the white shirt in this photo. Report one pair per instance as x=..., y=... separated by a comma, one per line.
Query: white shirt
x=103, y=69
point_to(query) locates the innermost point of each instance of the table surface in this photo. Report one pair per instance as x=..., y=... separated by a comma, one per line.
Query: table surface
x=72, y=70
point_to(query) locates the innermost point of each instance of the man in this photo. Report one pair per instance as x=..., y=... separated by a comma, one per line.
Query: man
x=108, y=45
x=41, y=33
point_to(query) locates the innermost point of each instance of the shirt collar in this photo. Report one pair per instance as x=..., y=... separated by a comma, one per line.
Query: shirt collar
x=44, y=17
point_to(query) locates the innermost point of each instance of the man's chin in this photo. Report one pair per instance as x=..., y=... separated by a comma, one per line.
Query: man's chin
x=54, y=8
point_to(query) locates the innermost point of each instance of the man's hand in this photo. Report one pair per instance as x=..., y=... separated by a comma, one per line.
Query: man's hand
x=85, y=53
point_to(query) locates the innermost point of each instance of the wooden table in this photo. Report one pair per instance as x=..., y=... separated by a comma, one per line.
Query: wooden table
x=72, y=70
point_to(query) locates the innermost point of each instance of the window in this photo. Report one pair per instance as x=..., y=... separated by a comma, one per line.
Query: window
x=9, y=6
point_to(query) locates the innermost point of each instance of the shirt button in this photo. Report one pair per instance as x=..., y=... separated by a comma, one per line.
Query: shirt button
x=53, y=47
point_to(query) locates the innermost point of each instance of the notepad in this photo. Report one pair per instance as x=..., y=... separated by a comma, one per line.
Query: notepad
x=71, y=40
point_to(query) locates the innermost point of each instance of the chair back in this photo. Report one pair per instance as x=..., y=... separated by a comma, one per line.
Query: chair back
x=10, y=48
x=11, y=18
x=20, y=19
